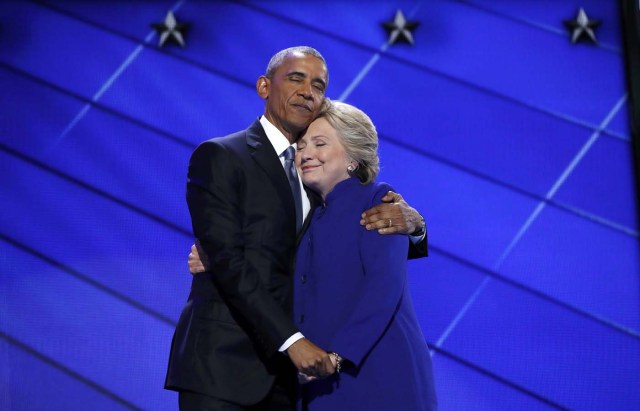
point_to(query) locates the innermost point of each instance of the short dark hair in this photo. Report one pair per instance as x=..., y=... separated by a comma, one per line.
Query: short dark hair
x=278, y=58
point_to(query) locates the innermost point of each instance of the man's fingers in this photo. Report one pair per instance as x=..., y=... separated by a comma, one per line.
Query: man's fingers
x=194, y=261
x=319, y=368
x=385, y=216
x=373, y=211
x=392, y=230
x=310, y=359
x=388, y=198
x=392, y=197
x=378, y=222
x=393, y=216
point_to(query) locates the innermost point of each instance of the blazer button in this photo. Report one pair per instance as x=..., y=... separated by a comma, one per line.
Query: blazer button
x=303, y=279
x=301, y=318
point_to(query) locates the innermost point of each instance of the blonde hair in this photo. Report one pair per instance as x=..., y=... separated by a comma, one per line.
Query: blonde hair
x=358, y=135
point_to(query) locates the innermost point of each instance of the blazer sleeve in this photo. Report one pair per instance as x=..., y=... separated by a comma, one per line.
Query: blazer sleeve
x=215, y=189
x=384, y=263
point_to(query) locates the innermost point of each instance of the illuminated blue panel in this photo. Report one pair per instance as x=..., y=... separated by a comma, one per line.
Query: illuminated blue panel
x=562, y=356
x=460, y=388
x=467, y=216
x=121, y=16
x=89, y=332
x=501, y=140
x=587, y=271
x=242, y=41
x=619, y=124
x=183, y=100
x=109, y=153
x=29, y=383
x=242, y=59
x=534, y=66
x=551, y=13
x=439, y=286
x=350, y=21
x=94, y=236
x=59, y=49
x=603, y=183
x=22, y=100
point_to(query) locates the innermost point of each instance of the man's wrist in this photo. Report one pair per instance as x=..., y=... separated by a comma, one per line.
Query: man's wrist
x=289, y=342
x=421, y=229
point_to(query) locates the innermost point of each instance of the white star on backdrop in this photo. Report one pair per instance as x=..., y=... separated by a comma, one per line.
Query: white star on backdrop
x=170, y=30
x=400, y=29
x=582, y=27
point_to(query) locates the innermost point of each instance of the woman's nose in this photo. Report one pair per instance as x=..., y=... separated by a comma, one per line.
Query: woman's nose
x=300, y=156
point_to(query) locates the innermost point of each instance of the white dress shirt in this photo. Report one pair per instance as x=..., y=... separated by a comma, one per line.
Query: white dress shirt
x=281, y=144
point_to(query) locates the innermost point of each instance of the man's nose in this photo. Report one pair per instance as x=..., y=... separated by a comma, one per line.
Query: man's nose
x=305, y=90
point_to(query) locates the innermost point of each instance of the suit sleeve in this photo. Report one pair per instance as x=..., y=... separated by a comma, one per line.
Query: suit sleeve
x=384, y=264
x=216, y=187
x=419, y=249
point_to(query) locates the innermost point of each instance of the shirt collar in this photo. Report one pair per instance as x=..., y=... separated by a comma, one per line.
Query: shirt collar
x=275, y=136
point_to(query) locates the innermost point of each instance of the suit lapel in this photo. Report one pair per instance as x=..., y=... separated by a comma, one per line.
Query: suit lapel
x=267, y=159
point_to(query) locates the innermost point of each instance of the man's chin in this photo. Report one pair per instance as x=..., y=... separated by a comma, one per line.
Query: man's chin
x=300, y=127
x=303, y=115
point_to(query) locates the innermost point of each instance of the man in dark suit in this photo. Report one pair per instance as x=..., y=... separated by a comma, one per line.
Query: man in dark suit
x=236, y=346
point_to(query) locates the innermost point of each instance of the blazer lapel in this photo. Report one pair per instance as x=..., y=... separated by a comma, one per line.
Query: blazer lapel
x=315, y=201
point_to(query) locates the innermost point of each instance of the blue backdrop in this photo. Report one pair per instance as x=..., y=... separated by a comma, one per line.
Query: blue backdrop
x=512, y=141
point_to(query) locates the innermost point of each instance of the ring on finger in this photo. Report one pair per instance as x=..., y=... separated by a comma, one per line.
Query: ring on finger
x=390, y=224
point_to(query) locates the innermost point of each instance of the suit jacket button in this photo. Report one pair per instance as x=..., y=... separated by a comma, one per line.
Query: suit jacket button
x=301, y=318
x=303, y=279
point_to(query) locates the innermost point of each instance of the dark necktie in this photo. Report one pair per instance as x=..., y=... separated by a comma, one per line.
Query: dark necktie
x=292, y=175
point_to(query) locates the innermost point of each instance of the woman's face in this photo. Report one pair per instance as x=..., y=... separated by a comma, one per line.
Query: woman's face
x=321, y=158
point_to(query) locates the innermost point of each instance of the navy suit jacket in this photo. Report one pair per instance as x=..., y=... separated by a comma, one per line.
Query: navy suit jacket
x=240, y=312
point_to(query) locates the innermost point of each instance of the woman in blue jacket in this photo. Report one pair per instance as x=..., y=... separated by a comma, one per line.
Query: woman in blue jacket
x=351, y=293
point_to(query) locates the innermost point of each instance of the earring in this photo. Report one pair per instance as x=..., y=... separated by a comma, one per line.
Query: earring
x=350, y=168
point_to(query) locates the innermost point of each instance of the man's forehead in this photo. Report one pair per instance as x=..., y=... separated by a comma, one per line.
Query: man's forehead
x=293, y=61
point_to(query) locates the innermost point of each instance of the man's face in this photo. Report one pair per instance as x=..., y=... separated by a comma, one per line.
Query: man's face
x=294, y=94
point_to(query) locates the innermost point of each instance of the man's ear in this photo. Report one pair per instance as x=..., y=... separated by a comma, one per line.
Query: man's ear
x=262, y=86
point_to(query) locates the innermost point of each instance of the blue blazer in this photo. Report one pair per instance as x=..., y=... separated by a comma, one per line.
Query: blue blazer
x=351, y=297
